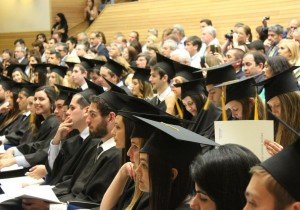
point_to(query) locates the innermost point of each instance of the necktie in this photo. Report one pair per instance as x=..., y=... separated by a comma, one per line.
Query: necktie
x=157, y=101
x=99, y=150
x=80, y=139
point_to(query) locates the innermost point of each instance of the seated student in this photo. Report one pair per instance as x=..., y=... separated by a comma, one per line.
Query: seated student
x=216, y=75
x=161, y=74
x=275, y=65
x=33, y=153
x=113, y=72
x=275, y=183
x=242, y=99
x=57, y=74
x=17, y=73
x=13, y=136
x=40, y=74
x=163, y=169
x=283, y=99
x=221, y=176
x=78, y=75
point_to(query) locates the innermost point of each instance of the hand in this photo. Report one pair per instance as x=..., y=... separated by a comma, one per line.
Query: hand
x=267, y=43
x=34, y=204
x=4, y=107
x=63, y=130
x=272, y=147
x=8, y=154
x=127, y=170
x=7, y=162
x=37, y=172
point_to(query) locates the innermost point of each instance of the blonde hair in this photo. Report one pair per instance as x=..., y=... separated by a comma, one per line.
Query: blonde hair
x=293, y=47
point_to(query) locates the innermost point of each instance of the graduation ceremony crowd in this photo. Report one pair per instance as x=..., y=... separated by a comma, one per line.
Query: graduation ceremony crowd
x=123, y=125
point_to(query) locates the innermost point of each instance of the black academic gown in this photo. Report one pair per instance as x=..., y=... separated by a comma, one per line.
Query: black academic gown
x=126, y=196
x=91, y=178
x=161, y=105
x=10, y=126
x=36, y=152
x=15, y=134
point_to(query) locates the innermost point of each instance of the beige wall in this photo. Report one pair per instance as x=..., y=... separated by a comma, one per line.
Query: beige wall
x=24, y=15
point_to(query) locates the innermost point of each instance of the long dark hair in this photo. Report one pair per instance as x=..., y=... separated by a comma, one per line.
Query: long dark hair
x=278, y=64
x=223, y=173
x=129, y=125
x=63, y=23
x=166, y=192
x=51, y=94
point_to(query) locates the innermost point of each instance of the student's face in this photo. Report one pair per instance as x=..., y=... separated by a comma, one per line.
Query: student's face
x=267, y=71
x=229, y=56
x=142, y=173
x=41, y=103
x=155, y=79
x=77, y=76
x=52, y=79
x=176, y=90
x=96, y=123
x=53, y=59
x=104, y=73
x=191, y=48
x=75, y=112
x=5, y=56
x=275, y=105
x=214, y=94
x=135, y=88
x=95, y=78
x=190, y=105
x=201, y=201
x=118, y=132
x=30, y=104
x=32, y=60
x=166, y=50
x=134, y=150
x=22, y=101
x=141, y=62
x=59, y=111
x=257, y=195
x=236, y=109
x=284, y=51
x=250, y=67
x=70, y=45
x=17, y=77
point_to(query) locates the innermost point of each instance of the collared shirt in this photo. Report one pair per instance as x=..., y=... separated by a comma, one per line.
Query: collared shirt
x=164, y=94
x=84, y=86
x=181, y=43
x=54, y=149
x=195, y=60
x=21, y=59
x=120, y=84
x=106, y=146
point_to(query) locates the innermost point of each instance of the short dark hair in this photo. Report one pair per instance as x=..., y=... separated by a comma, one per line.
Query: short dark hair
x=82, y=101
x=57, y=54
x=137, y=35
x=213, y=172
x=257, y=45
x=195, y=40
x=103, y=108
x=258, y=57
x=73, y=40
x=207, y=21
x=21, y=41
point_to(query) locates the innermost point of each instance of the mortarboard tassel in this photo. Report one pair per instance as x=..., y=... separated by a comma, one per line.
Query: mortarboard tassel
x=224, y=113
x=180, y=113
x=206, y=105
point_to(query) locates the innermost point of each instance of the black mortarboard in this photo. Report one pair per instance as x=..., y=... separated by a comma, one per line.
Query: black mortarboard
x=141, y=74
x=66, y=93
x=29, y=88
x=192, y=87
x=93, y=86
x=166, y=64
x=10, y=69
x=239, y=88
x=174, y=143
x=284, y=168
x=10, y=85
x=220, y=73
x=186, y=71
x=114, y=87
x=71, y=61
x=115, y=67
x=42, y=67
x=89, y=64
x=284, y=82
x=60, y=70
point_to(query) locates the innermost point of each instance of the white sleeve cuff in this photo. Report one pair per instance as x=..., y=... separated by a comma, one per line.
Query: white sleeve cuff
x=16, y=151
x=21, y=161
x=53, y=153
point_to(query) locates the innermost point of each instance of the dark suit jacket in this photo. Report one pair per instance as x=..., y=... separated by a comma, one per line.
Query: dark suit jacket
x=24, y=61
x=102, y=50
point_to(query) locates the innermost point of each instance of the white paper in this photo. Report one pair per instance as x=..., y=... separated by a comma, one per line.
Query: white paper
x=62, y=206
x=2, y=150
x=248, y=133
x=11, y=168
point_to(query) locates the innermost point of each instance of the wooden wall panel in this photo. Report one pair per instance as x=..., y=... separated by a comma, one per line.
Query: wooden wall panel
x=144, y=14
x=7, y=39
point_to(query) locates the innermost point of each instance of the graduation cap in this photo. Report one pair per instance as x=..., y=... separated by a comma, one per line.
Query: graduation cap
x=115, y=67
x=114, y=87
x=141, y=74
x=89, y=64
x=173, y=143
x=186, y=71
x=40, y=67
x=72, y=60
x=220, y=73
x=60, y=70
x=29, y=88
x=284, y=82
x=66, y=93
x=284, y=168
x=166, y=64
x=10, y=85
x=93, y=86
x=12, y=67
x=191, y=87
